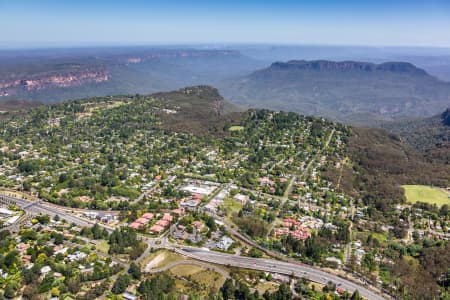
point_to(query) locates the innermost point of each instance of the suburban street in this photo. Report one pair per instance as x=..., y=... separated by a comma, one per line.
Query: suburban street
x=267, y=265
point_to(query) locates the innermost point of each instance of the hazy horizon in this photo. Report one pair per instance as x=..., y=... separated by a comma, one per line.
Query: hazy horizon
x=5, y=45
x=50, y=23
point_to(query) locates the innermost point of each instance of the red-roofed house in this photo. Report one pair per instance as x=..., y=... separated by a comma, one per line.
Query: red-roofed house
x=281, y=231
x=265, y=181
x=162, y=223
x=26, y=260
x=22, y=247
x=135, y=225
x=167, y=217
x=156, y=229
x=198, y=224
x=147, y=216
x=142, y=221
x=300, y=234
x=288, y=222
x=178, y=211
x=197, y=196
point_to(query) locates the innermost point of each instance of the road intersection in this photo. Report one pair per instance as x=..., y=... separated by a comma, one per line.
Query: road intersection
x=267, y=265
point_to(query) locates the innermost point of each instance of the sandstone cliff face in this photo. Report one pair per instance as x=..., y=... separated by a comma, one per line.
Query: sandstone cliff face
x=62, y=74
x=39, y=82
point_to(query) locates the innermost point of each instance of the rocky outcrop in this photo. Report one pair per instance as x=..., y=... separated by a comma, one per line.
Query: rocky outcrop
x=65, y=79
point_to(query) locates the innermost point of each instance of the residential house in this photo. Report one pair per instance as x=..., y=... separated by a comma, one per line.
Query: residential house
x=162, y=223
x=148, y=216
x=157, y=229
x=167, y=217
x=135, y=225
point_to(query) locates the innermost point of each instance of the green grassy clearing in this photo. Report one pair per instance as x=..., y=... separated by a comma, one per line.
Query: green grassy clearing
x=103, y=246
x=186, y=270
x=199, y=274
x=267, y=286
x=236, y=128
x=422, y=193
x=209, y=278
x=231, y=206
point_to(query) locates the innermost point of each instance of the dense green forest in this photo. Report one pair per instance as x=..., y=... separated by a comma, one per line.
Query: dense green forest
x=430, y=136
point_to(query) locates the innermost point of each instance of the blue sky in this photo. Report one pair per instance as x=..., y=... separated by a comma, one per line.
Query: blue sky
x=134, y=22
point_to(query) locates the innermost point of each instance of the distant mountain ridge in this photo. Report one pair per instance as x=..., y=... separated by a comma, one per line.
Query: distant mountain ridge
x=348, y=91
x=57, y=75
x=354, y=92
x=326, y=65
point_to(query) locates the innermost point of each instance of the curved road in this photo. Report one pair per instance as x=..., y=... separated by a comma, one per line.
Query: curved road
x=275, y=266
x=268, y=265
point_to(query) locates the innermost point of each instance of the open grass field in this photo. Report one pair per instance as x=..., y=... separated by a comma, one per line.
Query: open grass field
x=236, y=128
x=381, y=237
x=102, y=246
x=186, y=270
x=209, y=278
x=231, y=206
x=200, y=275
x=197, y=276
x=267, y=286
x=422, y=193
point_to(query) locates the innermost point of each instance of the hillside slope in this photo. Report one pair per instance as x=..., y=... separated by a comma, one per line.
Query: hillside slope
x=381, y=163
x=199, y=110
x=348, y=91
x=430, y=136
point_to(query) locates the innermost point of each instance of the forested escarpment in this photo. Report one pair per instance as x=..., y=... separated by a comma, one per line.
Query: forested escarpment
x=430, y=136
x=380, y=164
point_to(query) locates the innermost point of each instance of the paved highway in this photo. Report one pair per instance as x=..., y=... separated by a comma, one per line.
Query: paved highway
x=275, y=266
x=40, y=207
x=268, y=265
